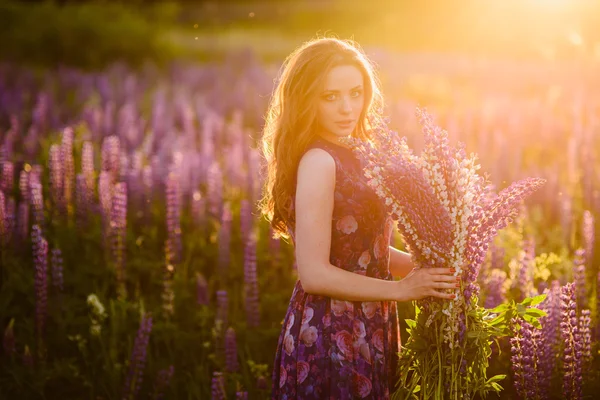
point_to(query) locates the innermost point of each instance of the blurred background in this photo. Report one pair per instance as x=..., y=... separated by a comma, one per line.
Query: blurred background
x=134, y=263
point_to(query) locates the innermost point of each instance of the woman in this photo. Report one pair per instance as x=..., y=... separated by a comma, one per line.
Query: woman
x=340, y=335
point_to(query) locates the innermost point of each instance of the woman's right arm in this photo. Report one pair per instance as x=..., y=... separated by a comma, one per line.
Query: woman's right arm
x=314, y=211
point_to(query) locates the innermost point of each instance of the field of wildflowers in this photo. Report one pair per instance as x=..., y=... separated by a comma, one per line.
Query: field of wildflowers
x=134, y=263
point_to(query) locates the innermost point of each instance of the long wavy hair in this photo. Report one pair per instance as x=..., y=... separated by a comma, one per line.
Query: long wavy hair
x=291, y=123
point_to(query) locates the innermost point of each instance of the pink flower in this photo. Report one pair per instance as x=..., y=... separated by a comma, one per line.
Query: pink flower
x=290, y=322
x=361, y=386
x=288, y=344
x=343, y=340
x=377, y=339
x=309, y=335
x=369, y=308
x=380, y=247
x=389, y=227
x=347, y=224
x=338, y=307
x=282, y=376
x=307, y=316
x=364, y=259
x=358, y=328
x=303, y=368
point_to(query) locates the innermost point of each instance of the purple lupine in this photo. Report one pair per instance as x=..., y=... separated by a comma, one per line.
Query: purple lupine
x=7, y=179
x=8, y=342
x=40, y=257
x=105, y=196
x=566, y=216
x=524, y=280
x=118, y=228
x=111, y=156
x=201, y=290
x=241, y=395
x=3, y=221
x=137, y=361
x=231, y=360
x=68, y=165
x=222, y=308
x=585, y=338
x=147, y=183
x=251, y=283
x=163, y=381
x=217, y=387
x=588, y=237
x=87, y=165
x=23, y=222
x=550, y=332
x=579, y=278
x=224, y=240
x=24, y=185
x=245, y=219
x=10, y=218
x=55, y=165
x=496, y=288
x=173, y=216
x=38, y=204
x=56, y=261
x=168, y=295
x=570, y=332
x=215, y=190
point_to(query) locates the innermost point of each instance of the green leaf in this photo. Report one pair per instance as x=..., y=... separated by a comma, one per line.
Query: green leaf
x=496, y=378
x=411, y=323
x=536, y=312
x=499, y=309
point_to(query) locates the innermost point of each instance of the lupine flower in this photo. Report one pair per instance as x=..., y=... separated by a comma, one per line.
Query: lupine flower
x=8, y=342
x=218, y=386
x=231, y=360
x=55, y=165
x=496, y=288
x=222, y=307
x=584, y=336
x=550, y=332
x=24, y=185
x=524, y=281
x=105, y=195
x=137, y=361
x=56, y=261
x=40, y=256
x=579, y=277
x=245, y=219
x=525, y=358
x=87, y=165
x=202, y=290
x=224, y=240
x=570, y=333
x=163, y=381
x=241, y=395
x=82, y=201
x=68, y=166
x=118, y=228
x=251, y=283
x=7, y=180
x=111, y=156
x=168, y=295
x=173, y=216
x=38, y=204
x=3, y=221
x=23, y=222
x=198, y=208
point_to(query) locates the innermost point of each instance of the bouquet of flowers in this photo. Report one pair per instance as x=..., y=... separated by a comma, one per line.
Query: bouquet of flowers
x=447, y=215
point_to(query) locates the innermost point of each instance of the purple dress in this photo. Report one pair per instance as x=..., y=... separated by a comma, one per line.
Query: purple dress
x=332, y=348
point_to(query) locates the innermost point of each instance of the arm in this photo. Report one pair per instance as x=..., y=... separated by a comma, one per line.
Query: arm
x=400, y=262
x=314, y=211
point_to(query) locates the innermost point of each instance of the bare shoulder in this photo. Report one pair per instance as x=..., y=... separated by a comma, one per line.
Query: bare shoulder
x=316, y=161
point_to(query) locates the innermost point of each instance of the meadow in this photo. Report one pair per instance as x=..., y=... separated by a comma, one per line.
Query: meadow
x=134, y=263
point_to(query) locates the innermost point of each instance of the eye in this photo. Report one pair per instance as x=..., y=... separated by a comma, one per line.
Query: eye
x=356, y=93
x=330, y=97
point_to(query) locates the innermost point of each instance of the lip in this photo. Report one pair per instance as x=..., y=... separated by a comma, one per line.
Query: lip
x=345, y=123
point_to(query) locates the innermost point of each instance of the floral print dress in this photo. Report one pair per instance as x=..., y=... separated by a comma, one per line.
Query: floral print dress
x=332, y=348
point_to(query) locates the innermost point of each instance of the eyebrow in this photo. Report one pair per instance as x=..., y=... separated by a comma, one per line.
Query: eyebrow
x=337, y=91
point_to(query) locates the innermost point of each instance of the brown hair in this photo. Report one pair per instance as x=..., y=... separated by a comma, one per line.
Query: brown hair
x=290, y=122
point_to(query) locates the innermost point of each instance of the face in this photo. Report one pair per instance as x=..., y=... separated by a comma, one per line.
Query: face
x=341, y=102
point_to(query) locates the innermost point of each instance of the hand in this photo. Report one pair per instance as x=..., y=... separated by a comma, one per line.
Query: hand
x=423, y=282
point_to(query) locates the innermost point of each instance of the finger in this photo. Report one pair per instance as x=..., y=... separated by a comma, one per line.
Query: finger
x=441, y=271
x=445, y=278
x=444, y=285
x=443, y=295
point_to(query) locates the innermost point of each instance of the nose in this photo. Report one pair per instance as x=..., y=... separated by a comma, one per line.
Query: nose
x=345, y=105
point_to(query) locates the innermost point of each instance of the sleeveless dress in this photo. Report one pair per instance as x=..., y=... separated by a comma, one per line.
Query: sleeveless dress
x=332, y=348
